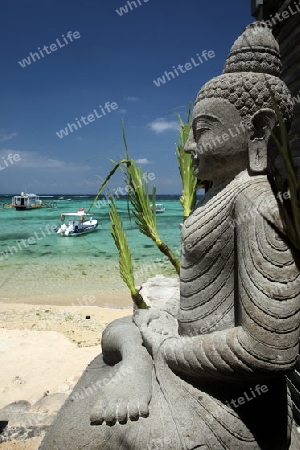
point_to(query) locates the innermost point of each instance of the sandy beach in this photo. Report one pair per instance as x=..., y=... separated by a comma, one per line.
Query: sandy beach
x=44, y=349
x=68, y=284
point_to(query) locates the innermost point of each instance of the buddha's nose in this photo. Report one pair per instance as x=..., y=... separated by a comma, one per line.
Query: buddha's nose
x=190, y=145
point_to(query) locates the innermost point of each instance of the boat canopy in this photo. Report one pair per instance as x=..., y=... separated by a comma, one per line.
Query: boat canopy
x=77, y=214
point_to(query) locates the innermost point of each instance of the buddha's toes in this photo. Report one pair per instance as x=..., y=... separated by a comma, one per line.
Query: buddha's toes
x=124, y=398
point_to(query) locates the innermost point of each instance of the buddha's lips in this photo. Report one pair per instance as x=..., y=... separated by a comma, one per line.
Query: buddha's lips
x=195, y=160
x=193, y=155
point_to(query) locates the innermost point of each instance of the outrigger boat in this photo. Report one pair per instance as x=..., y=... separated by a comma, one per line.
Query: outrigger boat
x=80, y=223
x=159, y=207
x=26, y=201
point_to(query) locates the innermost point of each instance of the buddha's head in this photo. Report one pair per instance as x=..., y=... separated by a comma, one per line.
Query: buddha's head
x=235, y=113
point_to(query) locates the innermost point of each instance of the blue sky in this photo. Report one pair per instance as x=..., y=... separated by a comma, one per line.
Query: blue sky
x=114, y=59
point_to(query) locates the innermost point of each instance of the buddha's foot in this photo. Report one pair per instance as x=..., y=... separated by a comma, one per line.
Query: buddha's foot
x=125, y=397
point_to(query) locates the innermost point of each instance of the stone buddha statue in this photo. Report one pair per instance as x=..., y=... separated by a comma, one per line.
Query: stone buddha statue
x=212, y=375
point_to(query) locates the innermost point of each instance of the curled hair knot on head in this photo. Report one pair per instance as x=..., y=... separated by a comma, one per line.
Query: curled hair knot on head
x=250, y=80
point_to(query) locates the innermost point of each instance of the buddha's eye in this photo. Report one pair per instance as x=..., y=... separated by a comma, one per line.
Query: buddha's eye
x=198, y=132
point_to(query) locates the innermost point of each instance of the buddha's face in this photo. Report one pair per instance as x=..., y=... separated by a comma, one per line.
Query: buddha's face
x=218, y=140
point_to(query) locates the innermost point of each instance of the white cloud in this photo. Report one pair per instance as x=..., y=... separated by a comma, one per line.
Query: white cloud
x=142, y=161
x=35, y=160
x=7, y=137
x=132, y=99
x=160, y=125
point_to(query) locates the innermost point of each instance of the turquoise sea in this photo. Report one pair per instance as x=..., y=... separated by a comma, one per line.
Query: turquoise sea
x=38, y=266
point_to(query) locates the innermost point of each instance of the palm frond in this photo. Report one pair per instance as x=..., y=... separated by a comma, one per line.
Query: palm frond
x=145, y=215
x=188, y=179
x=111, y=173
x=125, y=259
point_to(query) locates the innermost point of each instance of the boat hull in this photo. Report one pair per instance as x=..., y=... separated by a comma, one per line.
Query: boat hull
x=80, y=231
x=23, y=208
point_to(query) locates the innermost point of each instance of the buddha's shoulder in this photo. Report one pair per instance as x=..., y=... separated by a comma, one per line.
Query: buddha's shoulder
x=254, y=192
x=257, y=201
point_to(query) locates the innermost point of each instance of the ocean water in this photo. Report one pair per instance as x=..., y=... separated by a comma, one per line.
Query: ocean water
x=37, y=265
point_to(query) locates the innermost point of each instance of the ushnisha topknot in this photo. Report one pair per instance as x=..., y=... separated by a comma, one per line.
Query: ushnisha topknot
x=252, y=69
x=256, y=50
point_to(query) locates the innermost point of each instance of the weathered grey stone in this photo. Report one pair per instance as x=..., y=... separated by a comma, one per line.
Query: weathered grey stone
x=162, y=293
x=295, y=444
x=25, y=421
x=14, y=407
x=211, y=374
x=49, y=404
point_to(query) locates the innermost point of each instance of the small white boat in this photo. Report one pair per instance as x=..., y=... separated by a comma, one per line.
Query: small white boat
x=159, y=207
x=63, y=199
x=26, y=201
x=79, y=223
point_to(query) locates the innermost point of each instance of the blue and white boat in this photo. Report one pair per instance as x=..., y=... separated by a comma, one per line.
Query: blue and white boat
x=79, y=223
x=159, y=207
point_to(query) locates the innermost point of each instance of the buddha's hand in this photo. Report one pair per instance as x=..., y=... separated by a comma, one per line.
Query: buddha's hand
x=155, y=327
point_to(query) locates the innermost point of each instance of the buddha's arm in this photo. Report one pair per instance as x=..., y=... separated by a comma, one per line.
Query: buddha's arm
x=265, y=338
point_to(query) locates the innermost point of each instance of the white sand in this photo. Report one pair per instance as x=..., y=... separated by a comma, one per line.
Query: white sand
x=53, y=358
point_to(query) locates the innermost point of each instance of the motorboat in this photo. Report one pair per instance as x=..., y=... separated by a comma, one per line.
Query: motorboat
x=26, y=201
x=63, y=199
x=159, y=207
x=79, y=223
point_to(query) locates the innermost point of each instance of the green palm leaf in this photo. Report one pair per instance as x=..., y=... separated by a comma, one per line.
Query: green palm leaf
x=188, y=179
x=145, y=215
x=125, y=260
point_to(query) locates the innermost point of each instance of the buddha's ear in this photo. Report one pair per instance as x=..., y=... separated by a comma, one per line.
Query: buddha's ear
x=263, y=123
